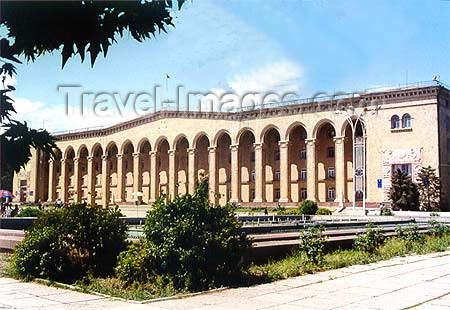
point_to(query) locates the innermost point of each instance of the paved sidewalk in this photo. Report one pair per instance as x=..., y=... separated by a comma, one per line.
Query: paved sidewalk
x=418, y=282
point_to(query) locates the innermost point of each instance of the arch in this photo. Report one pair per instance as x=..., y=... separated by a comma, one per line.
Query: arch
x=141, y=143
x=97, y=146
x=345, y=124
x=81, y=148
x=406, y=120
x=395, y=121
x=68, y=150
x=292, y=127
x=242, y=131
x=109, y=146
x=159, y=141
x=197, y=138
x=179, y=138
x=219, y=135
x=125, y=144
x=321, y=123
x=266, y=129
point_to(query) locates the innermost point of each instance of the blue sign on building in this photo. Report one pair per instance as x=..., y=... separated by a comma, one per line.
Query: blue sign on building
x=380, y=183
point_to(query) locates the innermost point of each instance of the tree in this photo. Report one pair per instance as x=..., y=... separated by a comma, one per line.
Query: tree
x=404, y=193
x=429, y=187
x=68, y=27
x=190, y=243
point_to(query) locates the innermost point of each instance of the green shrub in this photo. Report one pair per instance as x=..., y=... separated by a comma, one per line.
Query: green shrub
x=439, y=229
x=190, y=243
x=387, y=212
x=394, y=247
x=289, y=211
x=410, y=233
x=323, y=211
x=30, y=212
x=312, y=244
x=308, y=207
x=66, y=244
x=369, y=240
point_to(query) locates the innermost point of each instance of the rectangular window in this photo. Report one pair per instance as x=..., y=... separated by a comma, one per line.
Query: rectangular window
x=303, y=174
x=23, y=182
x=331, y=193
x=229, y=195
x=277, y=195
x=277, y=155
x=253, y=195
x=303, y=154
x=253, y=176
x=142, y=164
x=252, y=156
x=277, y=175
x=303, y=194
x=402, y=167
x=331, y=152
x=331, y=172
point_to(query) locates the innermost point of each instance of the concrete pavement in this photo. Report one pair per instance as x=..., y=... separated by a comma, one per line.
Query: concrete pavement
x=418, y=282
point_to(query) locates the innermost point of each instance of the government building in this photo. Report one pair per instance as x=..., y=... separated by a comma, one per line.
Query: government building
x=330, y=150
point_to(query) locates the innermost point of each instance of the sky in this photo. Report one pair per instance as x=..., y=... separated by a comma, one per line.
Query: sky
x=253, y=45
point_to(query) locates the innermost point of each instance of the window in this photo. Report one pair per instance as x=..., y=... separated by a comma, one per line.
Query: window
x=252, y=156
x=331, y=133
x=277, y=175
x=277, y=155
x=303, y=154
x=229, y=195
x=142, y=164
x=303, y=174
x=402, y=167
x=303, y=193
x=277, y=195
x=253, y=195
x=331, y=193
x=395, y=122
x=23, y=182
x=331, y=152
x=253, y=176
x=126, y=164
x=331, y=172
x=406, y=121
x=229, y=158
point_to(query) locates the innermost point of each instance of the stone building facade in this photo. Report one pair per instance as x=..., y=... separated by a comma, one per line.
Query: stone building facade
x=276, y=154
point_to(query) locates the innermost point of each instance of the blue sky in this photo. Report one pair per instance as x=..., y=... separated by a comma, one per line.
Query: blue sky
x=302, y=46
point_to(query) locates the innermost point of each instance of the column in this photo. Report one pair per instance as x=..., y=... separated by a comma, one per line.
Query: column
x=191, y=171
x=234, y=173
x=136, y=172
x=259, y=173
x=120, y=178
x=212, y=184
x=51, y=180
x=339, y=169
x=284, y=171
x=64, y=181
x=90, y=180
x=76, y=180
x=172, y=176
x=153, y=176
x=311, y=168
x=105, y=181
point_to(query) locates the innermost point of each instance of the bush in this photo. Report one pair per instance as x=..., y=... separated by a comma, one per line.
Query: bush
x=410, y=233
x=439, y=229
x=190, y=243
x=369, y=240
x=312, y=244
x=323, y=211
x=387, y=212
x=308, y=207
x=66, y=244
x=30, y=212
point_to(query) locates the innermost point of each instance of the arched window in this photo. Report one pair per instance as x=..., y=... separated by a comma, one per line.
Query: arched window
x=406, y=121
x=395, y=122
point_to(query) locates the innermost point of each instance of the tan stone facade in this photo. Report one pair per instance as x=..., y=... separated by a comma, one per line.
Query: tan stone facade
x=257, y=157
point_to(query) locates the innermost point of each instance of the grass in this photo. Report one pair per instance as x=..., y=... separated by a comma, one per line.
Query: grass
x=294, y=265
x=297, y=264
